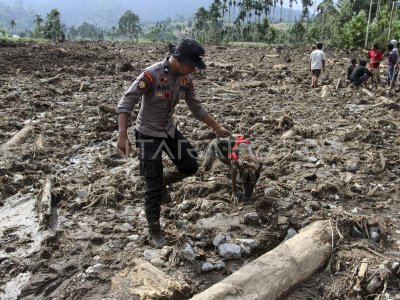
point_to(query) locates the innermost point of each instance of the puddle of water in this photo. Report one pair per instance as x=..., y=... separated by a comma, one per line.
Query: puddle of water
x=18, y=214
x=13, y=288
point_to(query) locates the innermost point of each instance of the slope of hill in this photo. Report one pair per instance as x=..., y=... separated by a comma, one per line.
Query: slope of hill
x=104, y=13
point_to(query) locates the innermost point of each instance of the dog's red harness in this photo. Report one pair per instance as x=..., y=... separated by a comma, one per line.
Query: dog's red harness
x=234, y=153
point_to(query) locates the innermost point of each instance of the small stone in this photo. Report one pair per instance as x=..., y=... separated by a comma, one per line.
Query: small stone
x=245, y=249
x=374, y=285
x=374, y=234
x=315, y=205
x=218, y=239
x=150, y=254
x=188, y=253
x=230, y=251
x=207, y=267
x=249, y=242
x=165, y=251
x=312, y=159
x=351, y=167
x=395, y=265
x=283, y=220
x=158, y=262
x=356, y=232
x=133, y=237
x=252, y=218
x=93, y=270
x=291, y=233
x=97, y=258
x=308, y=209
x=219, y=265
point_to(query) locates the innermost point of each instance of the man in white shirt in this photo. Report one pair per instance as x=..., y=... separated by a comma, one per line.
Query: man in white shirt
x=317, y=62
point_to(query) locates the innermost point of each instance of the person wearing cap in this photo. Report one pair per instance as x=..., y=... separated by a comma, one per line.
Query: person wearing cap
x=160, y=87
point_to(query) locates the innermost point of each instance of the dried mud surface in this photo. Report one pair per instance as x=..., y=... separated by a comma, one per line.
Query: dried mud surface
x=329, y=153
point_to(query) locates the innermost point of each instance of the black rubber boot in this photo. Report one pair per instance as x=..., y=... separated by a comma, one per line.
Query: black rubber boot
x=156, y=236
x=171, y=177
x=166, y=197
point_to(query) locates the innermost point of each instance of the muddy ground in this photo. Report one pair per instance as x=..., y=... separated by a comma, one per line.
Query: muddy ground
x=329, y=153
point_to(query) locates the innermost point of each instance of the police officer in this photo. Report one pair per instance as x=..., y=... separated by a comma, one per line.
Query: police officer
x=161, y=86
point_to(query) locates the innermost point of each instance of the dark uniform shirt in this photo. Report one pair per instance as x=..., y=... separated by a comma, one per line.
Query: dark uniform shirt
x=349, y=71
x=358, y=72
x=161, y=92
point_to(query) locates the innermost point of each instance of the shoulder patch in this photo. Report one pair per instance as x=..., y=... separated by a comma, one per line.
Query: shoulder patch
x=142, y=85
x=148, y=76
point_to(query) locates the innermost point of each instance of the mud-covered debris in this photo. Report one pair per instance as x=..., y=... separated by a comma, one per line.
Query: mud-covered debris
x=14, y=96
x=230, y=251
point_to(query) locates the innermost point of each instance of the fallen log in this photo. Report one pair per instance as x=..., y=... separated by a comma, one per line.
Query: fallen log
x=16, y=139
x=274, y=274
x=51, y=80
x=44, y=204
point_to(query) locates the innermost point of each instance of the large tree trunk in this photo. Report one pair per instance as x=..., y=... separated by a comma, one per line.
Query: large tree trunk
x=274, y=274
x=369, y=21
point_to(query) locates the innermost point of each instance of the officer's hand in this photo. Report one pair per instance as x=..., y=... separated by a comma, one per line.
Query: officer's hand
x=222, y=132
x=124, y=145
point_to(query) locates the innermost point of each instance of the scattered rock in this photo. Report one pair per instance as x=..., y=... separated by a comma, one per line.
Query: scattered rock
x=374, y=284
x=249, y=242
x=351, y=167
x=218, y=239
x=207, y=267
x=283, y=220
x=252, y=218
x=291, y=233
x=230, y=251
x=188, y=253
x=374, y=233
x=158, y=262
x=356, y=232
x=150, y=254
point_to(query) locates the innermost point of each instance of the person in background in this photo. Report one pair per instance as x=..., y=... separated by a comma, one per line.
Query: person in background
x=360, y=74
x=317, y=63
x=395, y=47
x=375, y=59
x=351, y=67
x=392, y=60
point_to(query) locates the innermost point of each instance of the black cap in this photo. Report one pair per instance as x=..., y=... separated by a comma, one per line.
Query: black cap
x=190, y=52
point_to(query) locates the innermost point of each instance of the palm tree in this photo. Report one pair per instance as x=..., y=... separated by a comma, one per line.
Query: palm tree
x=229, y=11
x=290, y=10
x=13, y=24
x=280, y=13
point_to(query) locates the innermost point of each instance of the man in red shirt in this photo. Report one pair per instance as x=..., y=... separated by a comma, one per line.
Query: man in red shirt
x=375, y=58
